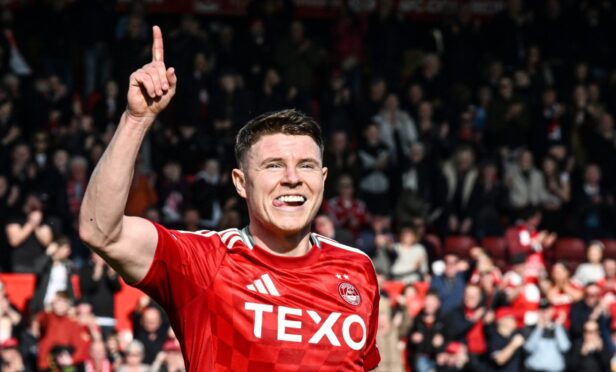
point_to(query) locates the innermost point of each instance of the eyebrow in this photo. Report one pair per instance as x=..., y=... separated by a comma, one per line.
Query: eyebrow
x=303, y=160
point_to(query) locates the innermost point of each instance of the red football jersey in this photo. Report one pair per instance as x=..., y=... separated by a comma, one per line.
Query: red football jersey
x=236, y=307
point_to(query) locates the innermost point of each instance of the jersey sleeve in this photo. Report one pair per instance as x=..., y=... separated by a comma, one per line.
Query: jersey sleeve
x=372, y=356
x=184, y=265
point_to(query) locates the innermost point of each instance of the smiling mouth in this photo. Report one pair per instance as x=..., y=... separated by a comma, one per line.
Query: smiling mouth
x=289, y=201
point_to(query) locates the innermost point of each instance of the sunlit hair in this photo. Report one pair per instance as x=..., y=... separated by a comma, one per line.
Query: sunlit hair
x=290, y=122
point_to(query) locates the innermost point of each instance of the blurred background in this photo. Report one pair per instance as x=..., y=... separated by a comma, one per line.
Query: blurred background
x=471, y=150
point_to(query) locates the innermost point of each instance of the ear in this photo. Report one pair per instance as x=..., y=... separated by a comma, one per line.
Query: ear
x=239, y=180
x=325, y=173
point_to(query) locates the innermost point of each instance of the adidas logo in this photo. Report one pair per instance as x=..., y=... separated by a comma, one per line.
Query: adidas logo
x=264, y=285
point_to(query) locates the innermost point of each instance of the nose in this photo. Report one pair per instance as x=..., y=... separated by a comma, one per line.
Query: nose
x=291, y=177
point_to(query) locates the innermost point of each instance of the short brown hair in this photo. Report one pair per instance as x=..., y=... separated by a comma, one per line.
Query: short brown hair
x=291, y=122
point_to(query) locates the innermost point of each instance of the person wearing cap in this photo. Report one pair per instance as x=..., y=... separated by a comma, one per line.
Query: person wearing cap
x=505, y=342
x=548, y=343
x=10, y=358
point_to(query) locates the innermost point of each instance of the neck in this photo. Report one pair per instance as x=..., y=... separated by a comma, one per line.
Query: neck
x=291, y=245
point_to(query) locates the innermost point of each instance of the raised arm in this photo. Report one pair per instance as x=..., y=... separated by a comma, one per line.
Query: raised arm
x=126, y=243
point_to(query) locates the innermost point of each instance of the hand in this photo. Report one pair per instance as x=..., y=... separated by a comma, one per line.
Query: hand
x=438, y=340
x=478, y=314
x=98, y=260
x=476, y=252
x=489, y=317
x=562, y=318
x=13, y=195
x=380, y=240
x=453, y=223
x=151, y=87
x=518, y=340
x=4, y=305
x=144, y=301
x=52, y=248
x=111, y=273
x=35, y=218
x=417, y=337
x=467, y=223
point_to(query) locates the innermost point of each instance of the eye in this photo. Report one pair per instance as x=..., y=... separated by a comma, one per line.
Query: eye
x=273, y=165
x=308, y=166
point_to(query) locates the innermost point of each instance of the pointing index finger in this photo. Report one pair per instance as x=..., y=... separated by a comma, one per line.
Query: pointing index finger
x=158, y=52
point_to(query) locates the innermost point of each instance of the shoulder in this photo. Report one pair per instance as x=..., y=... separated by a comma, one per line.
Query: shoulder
x=336, y=246
x=338, y=249
x=228, y=238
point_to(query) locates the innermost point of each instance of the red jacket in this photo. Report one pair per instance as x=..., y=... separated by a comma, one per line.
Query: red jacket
x=57, y=330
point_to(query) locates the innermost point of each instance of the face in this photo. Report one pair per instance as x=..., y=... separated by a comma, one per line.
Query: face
x=415, y=93
x=339, y=142
x=507, y=323
x=372, y=134
x=63, y=252
x=592, y=174
x=60, y=159
x=172, y=171
x=425, y=111
x=417, y=153
x=451, y=265
x=378, y=89
x=151, y=320
x=324, y=226
x=282, y=181
x=79, y=169
x=595, y=253
x=60, y=306
x=490, y=173
x=560, y=273
x=591, y=330
x=472, y=297
x=549, y=166
x=227, y=82
x=431, y=304
x=134, y=357
x=505, y=88
x=97, y=350
x=392, y=103
x=526, y=160
x=345, y=187
x=609, y=265
x=407, y=236
x=592, y=295
x=465, y=160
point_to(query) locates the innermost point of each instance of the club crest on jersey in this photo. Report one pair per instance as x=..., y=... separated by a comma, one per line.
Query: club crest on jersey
x=349, y=293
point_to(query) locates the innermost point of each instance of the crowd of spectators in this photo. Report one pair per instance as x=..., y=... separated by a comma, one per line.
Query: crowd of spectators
x=462, y=127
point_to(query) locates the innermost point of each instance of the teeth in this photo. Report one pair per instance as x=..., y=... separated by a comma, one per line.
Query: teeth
x=291, y=198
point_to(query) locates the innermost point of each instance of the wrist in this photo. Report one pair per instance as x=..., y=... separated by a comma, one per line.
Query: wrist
x=138, y=120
